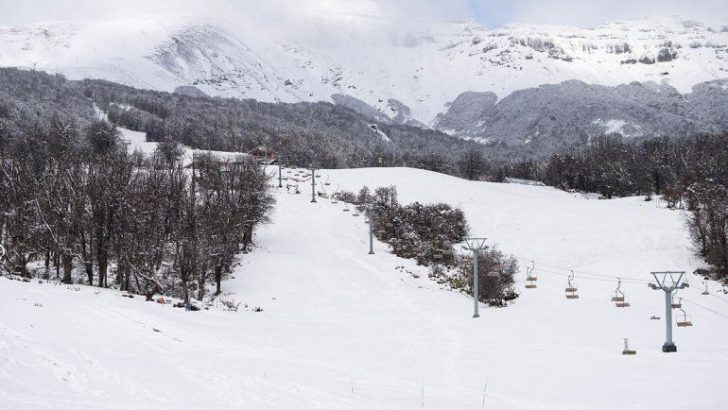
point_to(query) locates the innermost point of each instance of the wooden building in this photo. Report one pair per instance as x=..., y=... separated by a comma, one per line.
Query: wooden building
x=264, y=155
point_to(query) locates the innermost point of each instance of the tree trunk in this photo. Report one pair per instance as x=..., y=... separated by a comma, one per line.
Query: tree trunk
x=47, y=273
x=103, y=267
x=67, y=267
x=218, y=278
x=88, y=263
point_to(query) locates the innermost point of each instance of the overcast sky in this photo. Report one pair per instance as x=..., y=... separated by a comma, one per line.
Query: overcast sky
x=492, y=13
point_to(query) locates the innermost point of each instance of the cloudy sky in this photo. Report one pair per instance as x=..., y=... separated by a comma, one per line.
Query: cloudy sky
x=492, y=13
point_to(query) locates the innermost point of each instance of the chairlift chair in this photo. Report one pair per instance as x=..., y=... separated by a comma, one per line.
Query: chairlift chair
x=571, y=289
x=673, y=304
x=531, y=274
x=618, y=298
x=705, y=292
x=685, y=322
x=530, y=279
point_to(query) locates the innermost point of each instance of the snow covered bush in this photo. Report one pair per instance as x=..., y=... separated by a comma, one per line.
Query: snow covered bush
x=346, y=196
x=495, y=277
x=425, y=233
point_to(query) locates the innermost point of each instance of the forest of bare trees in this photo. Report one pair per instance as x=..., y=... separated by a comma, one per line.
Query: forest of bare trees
x=78, y=207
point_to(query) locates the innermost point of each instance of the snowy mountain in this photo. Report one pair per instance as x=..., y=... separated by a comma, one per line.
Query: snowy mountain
x=571, y=111
x=409, y=74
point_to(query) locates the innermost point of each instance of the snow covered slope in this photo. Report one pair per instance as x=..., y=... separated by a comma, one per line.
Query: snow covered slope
x=343, y=329
x=407, y=74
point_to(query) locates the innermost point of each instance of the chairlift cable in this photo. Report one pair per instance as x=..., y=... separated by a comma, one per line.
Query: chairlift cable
x=719, y=298
x=705, y=308
x=612, y=277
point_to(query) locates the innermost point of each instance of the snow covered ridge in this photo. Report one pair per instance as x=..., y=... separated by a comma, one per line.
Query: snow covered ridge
x=408, y=75
x=558, y=113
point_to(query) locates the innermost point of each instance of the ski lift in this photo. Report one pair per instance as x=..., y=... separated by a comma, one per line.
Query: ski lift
x=530, y=279
x=327, y=183
x=346, y=207
x=685, y=322
x=705, y=292
x=673, y=304
x=570, y=289
x=618, y=297
x=627, y=351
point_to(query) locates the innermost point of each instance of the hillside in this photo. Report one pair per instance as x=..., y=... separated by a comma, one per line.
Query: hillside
x=343, y=329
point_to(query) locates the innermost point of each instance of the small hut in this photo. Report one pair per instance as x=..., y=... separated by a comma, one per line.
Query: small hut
x=264, y=155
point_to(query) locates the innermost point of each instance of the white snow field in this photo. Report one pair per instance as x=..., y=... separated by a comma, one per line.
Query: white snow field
x=341, y=329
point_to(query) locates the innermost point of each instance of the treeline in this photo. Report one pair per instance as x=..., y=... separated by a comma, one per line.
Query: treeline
x=430, y=235
x=77, y=205
x=319, y=134
x=690, y=173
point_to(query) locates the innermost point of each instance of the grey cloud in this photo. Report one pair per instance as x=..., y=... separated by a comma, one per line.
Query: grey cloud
x=308, y=15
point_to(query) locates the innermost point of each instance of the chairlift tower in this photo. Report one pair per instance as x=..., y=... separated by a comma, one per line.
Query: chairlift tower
x=371, y=229
x=280, y=174
x=666, y=282
x=476, y=245
x=313, y=185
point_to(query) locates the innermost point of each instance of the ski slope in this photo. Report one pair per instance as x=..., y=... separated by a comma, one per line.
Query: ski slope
x=346, y=330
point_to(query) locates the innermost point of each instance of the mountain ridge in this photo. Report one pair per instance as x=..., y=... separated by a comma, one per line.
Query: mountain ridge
x=415, y=76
